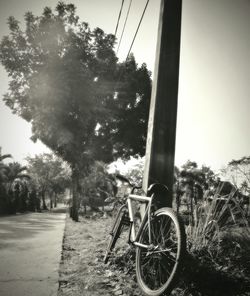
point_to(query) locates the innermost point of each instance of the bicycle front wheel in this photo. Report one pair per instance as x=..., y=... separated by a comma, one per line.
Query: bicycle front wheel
x=157, y=267
x=120, y=221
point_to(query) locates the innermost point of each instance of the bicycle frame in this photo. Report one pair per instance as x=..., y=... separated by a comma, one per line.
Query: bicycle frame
x=133, y=237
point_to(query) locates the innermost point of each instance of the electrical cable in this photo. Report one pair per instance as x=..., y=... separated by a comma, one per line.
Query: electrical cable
x=119, y=16
x=143, y=13
x=137, y=29
x=123, y=29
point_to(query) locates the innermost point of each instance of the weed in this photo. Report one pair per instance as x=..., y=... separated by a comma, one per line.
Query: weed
x=218, y=246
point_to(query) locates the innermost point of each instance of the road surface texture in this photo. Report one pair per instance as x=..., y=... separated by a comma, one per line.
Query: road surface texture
x=30, y=252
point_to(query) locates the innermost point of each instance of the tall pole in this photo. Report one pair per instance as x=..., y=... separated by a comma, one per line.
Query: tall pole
x=160, y=150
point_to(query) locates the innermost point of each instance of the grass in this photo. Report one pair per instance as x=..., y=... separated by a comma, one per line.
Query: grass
x=217, y=264
x=82, y=271
x=218, y=246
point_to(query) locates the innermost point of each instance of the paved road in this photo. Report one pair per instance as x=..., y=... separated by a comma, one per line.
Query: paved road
x=30, y=252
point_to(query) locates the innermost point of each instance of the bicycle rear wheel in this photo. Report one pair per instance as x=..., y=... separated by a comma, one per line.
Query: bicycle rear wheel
x=157, y=267
x=120, y=221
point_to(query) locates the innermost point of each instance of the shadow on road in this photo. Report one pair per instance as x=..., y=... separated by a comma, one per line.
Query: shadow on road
x=60, y=210
x=19, y=227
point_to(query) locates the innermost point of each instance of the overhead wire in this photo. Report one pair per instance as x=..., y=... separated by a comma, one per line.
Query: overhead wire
x=119, y=16
x=124, y=25
x=137, y=29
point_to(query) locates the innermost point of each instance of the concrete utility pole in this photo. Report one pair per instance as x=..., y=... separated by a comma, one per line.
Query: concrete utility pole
x=160, y=150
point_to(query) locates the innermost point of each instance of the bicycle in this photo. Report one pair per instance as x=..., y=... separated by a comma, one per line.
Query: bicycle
x=160, y=241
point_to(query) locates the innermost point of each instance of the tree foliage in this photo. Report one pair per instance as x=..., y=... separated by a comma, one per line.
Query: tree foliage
x=238, y=171
x=49, y=174
x=23, y=188
x=97, y=186
x=66, y=81
x=131, y=168
x=191, y=182
x=191, y=173
x=13, y=186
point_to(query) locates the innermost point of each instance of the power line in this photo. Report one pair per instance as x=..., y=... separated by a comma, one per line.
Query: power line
x=137, y=29
x=119, y=16
x=119, y=77
x=123, y=29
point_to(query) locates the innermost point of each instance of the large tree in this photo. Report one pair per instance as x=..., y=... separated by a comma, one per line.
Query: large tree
x=67, y=82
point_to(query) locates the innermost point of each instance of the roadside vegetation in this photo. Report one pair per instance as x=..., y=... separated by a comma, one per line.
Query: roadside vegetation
x=216, y=219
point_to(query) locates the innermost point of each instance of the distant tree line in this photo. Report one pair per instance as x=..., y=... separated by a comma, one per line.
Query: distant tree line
x=194, y=184
x=29, y=188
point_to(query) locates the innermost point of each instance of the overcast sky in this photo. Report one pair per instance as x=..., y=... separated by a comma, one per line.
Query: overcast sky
x=214, y=89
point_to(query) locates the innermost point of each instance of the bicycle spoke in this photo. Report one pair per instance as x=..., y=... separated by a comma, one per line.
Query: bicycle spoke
x=169, y=259
x=158, y=264
x=163, y=266
x=148, y=260
x=154, y=235
x=166, y=224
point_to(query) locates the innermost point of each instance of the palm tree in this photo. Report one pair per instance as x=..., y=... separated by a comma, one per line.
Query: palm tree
x=3, y=178
x=3, y=166
x=14, y=183
x=15, y=171
x=2, y=157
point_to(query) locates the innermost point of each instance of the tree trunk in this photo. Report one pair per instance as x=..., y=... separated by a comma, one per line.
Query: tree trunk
x=17, y=200
x=43, y=201
x=38, y=204
x=55, y=200
x=75, y=185
x=51, y=201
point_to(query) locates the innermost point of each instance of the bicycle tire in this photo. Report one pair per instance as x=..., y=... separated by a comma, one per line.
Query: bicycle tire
x=120, y=221
x=157, y=270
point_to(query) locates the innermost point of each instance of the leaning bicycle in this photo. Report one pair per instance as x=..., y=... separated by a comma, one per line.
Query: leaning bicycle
x=160, y=241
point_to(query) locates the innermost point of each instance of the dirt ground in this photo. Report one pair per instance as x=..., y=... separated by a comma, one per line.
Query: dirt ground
x=82, y=271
